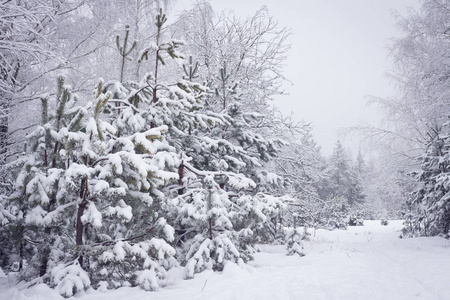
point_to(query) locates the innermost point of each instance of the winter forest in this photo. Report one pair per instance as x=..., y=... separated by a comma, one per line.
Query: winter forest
x=138, y=146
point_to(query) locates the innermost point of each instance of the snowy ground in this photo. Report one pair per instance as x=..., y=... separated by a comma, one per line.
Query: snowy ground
x=368, y=262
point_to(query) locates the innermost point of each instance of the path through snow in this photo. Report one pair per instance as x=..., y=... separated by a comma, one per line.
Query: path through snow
x=368, y=262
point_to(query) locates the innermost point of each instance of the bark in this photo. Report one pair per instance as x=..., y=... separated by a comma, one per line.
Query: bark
x=180, y=179
x=4, y=129
x=45, y=253
x=80, y=212
x=79, y=232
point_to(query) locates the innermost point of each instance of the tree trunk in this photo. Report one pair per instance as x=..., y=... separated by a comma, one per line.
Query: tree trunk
x=80, y=212
x=79, y=232
x=45, y=253
x=180, y=179
x=210, y=229
x=4, y=129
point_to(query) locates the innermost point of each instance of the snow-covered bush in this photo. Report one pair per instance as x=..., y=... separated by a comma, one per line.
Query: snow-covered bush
x=295, y=235
x=260, y=213
x=70, y=279
x=355, y=221
x=207, y=254
x=335, y=213
x=294, y=240
x=141, y=264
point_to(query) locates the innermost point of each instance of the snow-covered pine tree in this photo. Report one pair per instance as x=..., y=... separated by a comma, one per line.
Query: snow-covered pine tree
x=345, y=181
x=138, y=162
x=93, y=195
x=34, y=200
x=209, y=205
x=241, y=84
x=242, y=87
x=231, y=153
x=294, y=237
x=83, y=199
x=371, y=208
x=335, y=213
x=429, y=209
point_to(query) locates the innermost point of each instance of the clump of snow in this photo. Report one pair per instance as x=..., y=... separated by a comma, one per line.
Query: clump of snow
x=92, y=215
x=121, y=210
x=102, y=286
x=147, y=280
x=36, y=216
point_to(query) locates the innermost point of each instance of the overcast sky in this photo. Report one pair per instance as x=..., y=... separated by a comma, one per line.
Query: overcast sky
x=339, y=56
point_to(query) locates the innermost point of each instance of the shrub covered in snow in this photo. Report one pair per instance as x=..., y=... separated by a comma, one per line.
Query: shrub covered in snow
x=70, y=278
x=335, y=213
x=294, y=238
x=209, y=254
x=355, y=221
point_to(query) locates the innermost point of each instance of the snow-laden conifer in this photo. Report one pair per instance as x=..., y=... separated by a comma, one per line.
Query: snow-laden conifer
x=429, y=207
x=141, y=178
x=85, y=194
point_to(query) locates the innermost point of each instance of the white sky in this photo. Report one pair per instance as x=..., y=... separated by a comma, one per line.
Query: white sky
x=338, y=58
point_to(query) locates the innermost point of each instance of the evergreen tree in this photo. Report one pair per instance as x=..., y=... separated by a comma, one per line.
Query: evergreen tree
x=343, y=181
x=83, y=199
x=341, y=190
x=215, y=205
x=429, y=208
x=242, y=86
x=335, y=213
x=110, y=192
x=294, y=237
